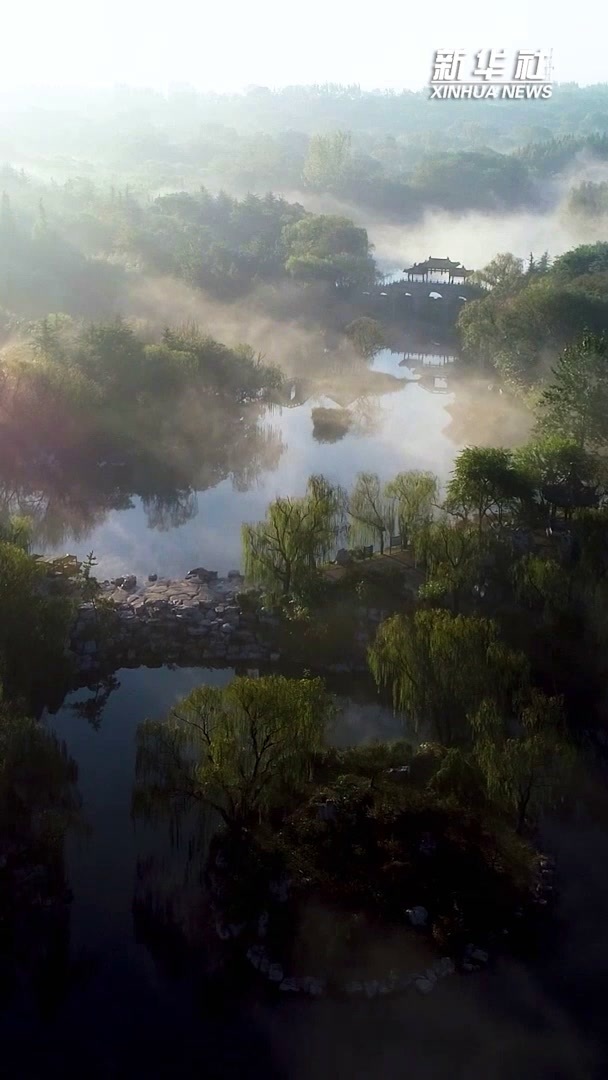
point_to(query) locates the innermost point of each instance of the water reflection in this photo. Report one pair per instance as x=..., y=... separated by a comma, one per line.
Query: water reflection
x=69, y=495
x=131, y=886
x=402, y=429
x=165, y=504
x=124, y=1005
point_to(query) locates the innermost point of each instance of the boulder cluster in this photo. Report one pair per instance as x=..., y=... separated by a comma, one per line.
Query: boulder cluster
x=194, y=620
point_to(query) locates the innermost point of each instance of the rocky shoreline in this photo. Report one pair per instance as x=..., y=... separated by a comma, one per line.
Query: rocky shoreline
x=197, y=620
x=194, y=620
x=253, y=939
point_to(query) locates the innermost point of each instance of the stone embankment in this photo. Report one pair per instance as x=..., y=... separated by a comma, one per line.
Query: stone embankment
x=253, y=936
x=194, y=621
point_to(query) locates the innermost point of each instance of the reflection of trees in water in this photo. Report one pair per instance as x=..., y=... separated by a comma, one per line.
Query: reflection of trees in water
x=69, y=515
x=39, y=802
x=92, y=708
x=330, y=425
x=170, y=509
x=69, y=493
x=367, y=414
x=260, y=451
x=361, y=417
x=170, y=910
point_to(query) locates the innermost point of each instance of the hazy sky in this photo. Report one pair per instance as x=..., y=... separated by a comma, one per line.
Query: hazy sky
x=229, y=45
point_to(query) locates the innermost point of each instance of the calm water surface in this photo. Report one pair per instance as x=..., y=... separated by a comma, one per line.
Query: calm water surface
x=102, y=865
x=394, y=431
x=126, y=1014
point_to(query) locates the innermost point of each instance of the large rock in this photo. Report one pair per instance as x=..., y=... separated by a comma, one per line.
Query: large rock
x=311, y=985
x=258, y=957
x=443, y=967
x=344, y=557
x=475, y=955
x=200, y=574
x=418, y=915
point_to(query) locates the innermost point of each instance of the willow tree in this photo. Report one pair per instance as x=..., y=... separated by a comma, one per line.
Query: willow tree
x=486, y=481
x=39, y=799
x=440, y=668
x=238, y=750
x=414, y=496
x=370, y=509
x=39, y=804
x=16, y=530
x=453, y=557
x=33, y=625
x=563, y=475
x=281, y=552
x=524, y=766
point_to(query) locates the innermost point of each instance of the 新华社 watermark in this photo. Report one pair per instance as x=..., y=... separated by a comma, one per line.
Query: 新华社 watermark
x=489, y=73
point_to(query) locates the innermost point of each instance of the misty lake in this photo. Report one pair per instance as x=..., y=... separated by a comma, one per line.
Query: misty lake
x=121, y=1004
x=125, y=1003
x=393, y=431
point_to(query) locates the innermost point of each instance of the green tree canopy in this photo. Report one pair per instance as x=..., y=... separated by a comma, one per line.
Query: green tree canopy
x=415, y=495
x=328, y=248
x=504, y=273
x=281, y=552
x=327, y=161
x=238, y=749
x=427, y=661
x=485, y=482
x=524, y=770
x=454, y=560
x=370, y=510
x=575, y=403
x=585, y=259
x=33, y=625
x=562, y=473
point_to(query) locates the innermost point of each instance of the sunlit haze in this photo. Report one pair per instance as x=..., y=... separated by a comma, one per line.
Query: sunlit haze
x=227, y=47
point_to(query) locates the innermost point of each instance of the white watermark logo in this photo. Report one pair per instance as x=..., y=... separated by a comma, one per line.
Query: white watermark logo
x=490, y=74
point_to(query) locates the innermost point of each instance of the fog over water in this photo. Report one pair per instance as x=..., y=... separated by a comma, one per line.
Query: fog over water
x=514, y=1022
x=394, y=431
x=134, y=988
x=474, y=237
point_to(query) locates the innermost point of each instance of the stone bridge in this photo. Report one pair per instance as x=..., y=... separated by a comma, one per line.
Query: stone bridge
x=393, y=302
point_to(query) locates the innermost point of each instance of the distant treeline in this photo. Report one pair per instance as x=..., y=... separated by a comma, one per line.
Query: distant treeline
x=393, y=154
x=150, y=125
